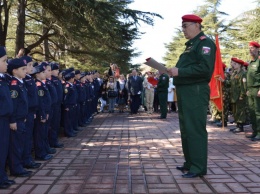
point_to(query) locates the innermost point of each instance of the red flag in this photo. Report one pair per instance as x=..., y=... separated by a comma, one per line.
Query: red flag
x=215, y=84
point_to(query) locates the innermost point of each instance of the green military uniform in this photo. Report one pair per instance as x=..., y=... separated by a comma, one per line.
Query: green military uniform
x=253, y=86
x=162, y=88
x=195, y=68
x=226, y=97
x=238, y=98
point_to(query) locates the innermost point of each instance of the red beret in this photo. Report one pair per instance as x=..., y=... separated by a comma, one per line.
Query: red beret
x=237, y=61
x=255, y=44
x=191, y=18
x=246, y=64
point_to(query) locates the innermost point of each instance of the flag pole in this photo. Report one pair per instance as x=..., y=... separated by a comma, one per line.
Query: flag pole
x=221, y=100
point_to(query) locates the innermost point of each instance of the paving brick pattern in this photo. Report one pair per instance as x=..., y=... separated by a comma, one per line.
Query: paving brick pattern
x=121, y=153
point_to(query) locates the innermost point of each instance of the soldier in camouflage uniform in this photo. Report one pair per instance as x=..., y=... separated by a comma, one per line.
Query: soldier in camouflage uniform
x=238, y=94
x=226, y=97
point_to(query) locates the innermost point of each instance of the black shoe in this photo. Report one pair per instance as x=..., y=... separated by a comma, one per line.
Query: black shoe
x=51, y=151
x=220, y=124
x=251, y=136
x=238, y=130
x=47, y=157
x=161, y=118
x=9, y=182
x=4, y=186
x=33, y=165
x=78, y=129
x=59, y=145
x=256, y=138
x=182, y=168
x=191, y=175
x=22, y=174
x=72, y=135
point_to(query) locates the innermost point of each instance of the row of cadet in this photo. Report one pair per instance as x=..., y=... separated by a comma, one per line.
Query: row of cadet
x=241, y=95
x=36, y=100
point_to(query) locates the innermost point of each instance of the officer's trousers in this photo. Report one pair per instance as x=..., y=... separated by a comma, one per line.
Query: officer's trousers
x=254, y=109
x=193, y=102
x=163, y=103
x=4, y=139
x=16, y=148
x=40, y=138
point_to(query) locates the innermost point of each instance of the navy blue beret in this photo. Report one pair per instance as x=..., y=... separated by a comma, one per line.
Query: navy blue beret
x=2, y=51
x=54, y=66
x=15, y=64
x=28, y=59
x=77, y=72
x=41, y=67
x=69, y=75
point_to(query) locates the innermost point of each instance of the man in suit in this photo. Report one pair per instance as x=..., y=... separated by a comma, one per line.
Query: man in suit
x=135, y=88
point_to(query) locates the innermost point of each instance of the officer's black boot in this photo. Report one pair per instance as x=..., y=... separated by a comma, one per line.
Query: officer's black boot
x=233, y=129
x=239, y=129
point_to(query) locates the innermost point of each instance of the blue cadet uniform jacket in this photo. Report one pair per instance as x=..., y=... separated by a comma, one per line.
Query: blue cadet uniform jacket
x=44, y=100
x=52, y=90
x=70, y=95
x=6, y=105
x=32, y=93
x=59, y=88
x=20, y=100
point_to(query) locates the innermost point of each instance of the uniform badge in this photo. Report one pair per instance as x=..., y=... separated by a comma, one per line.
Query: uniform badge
x=38, y=83
x=206, y=50
x=244, y=80
x=14, y=94
x=13, y=82
x=65, y=90
x=203, y=37
x=163, y=78
x=41, y=93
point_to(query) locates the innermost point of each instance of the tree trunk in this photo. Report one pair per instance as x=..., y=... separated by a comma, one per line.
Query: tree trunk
x=20, y=30
x=4, y=20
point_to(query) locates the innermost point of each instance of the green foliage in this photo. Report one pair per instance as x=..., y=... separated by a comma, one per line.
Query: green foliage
x=234, y=35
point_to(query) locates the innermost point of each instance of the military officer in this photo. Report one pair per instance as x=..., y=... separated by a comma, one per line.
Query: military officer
x=253, y=90
x=17, y=68
x=192, y=75
x=162, y=89
x=6, y=109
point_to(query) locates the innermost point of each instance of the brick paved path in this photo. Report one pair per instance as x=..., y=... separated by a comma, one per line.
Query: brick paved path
x=120, y=153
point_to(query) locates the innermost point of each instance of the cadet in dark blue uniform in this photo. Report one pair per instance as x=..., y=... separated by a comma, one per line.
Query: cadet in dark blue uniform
x=55, y=123
x=6, y=109
x=77, y=85
x=82, y=100
x=89, y=94
x=17, y=68
x=40, y=129
x=69, y=103
x=54, y=99
x=28, y=161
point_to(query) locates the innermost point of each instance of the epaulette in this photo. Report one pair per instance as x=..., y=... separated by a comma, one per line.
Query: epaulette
x=38, y=83
x=13, y=82
x=203, y=37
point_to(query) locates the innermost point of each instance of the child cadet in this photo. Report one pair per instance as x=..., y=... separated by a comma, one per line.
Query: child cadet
x=6, y=109
x=55, y=123
x=40, y=130
x=28, y=161
x=17, y=68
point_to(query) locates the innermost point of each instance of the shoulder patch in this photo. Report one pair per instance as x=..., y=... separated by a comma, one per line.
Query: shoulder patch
x=38, y=83
x=14, y=94
x=13, y=82
x=203, y=37
x=67, y=85
x=41, y=93
x=206, y=50
x=244, y=80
